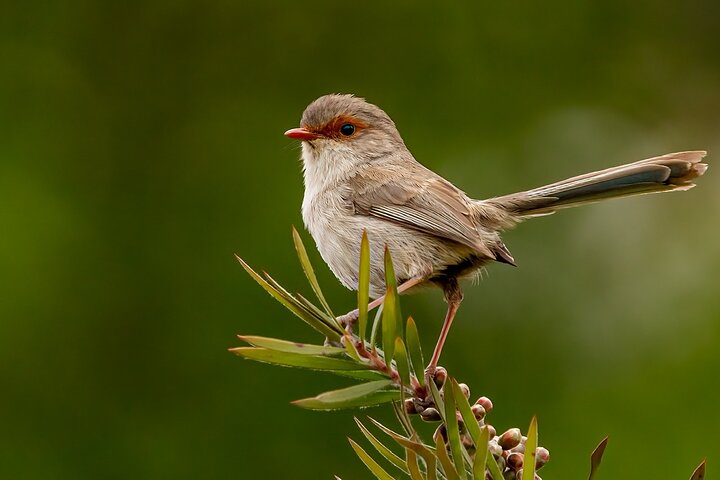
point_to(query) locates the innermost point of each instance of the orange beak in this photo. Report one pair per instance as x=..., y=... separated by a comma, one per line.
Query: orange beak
x=301, y=134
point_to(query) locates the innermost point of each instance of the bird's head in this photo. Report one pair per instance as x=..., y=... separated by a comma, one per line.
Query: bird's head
x=344, y=127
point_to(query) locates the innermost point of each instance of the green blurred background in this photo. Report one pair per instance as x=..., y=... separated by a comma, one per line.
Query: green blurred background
x=141, y=146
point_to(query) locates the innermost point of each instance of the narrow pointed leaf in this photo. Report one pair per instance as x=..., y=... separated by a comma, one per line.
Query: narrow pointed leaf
x=388, y=454
x=390, y=313
x=376, y=325
x=404, y=418
x=413, y=469
x=453, y=429
x=309, y=272
x=415, y=351
x=361, y=374
x=480, y=437
x=331, y=322
x=530, y=450
x=405, y=442
x=494, y=468
x=362, y=395
x=370, y=463
x=363, y=286
x=291, y=304
x=316, y=311
x=401, y=361
x=444, y=459
x=596, y=457
x=439, y=403
x=290, y=359
x=699, y=473
x=481, y=454
x=292, y=347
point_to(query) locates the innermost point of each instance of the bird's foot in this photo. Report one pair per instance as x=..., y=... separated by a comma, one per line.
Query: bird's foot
x=348, y=320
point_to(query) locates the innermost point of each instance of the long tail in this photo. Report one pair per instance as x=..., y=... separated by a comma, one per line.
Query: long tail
x=667, y=173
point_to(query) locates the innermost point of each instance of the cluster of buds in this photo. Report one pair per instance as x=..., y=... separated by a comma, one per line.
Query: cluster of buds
x=508, y=449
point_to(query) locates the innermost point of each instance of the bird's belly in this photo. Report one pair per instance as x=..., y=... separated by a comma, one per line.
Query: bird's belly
x=338, y=231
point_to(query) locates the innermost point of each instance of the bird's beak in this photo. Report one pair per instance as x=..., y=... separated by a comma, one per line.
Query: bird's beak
x=301, y=134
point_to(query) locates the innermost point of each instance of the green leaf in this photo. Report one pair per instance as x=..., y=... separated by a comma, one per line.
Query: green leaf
x=376, y=325
x=437, y=399
x=480, y=437
x=292, y=304
x=361, y=374
x=401, y=361
x=453, y=429
x=427, y=453
x=494, y=468
x=596, y=457
x=411, y=459
x=308, y=269
x=444, y=459
x=415, y=351
x=390, y=312
x=291, y=347
x=699, y=473
x=530, y=450
x=362, y=395
x=290, y=359
x=363, y=286
x=388, y=454
x=371, y=464
x=481, y=455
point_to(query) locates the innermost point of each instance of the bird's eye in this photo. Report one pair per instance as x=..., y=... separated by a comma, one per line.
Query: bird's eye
x=347, y=129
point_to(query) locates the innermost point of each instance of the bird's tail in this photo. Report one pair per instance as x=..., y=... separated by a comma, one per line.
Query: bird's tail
x=667, y=173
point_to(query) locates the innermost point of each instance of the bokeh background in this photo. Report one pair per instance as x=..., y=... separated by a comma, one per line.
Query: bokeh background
x=141, y=146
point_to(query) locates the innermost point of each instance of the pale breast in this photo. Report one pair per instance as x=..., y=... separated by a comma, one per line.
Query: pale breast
x=337, y=231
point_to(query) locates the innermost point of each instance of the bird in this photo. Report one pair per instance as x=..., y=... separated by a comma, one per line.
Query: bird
x=359, y=176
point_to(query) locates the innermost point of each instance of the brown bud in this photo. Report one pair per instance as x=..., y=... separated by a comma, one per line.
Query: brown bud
x=542, y=455
x=440, y=376
x=509, y=475
x=524, y=439
x=510, y=439
x=465, y=389
x=410, y=406
x=519, y=449
x=478, y=411
x=430, y=415
x=491, y=431
x=486, y=403
x=515, y=461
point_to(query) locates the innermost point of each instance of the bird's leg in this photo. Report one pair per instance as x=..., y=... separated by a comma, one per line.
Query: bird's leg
x=453, y=296
x=349, y=319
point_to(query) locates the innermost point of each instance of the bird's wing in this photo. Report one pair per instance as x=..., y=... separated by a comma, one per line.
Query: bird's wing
x=431, y=205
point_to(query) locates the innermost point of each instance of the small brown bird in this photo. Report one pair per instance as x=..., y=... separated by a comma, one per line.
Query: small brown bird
x=359, y=175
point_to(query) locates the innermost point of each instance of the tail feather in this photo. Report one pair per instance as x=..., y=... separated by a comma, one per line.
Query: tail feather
x=671, y=172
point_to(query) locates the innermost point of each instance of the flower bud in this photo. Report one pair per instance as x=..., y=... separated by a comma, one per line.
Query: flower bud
x=430, y=415
x=486, y=403
x=519, y=449
x=410, y=406
x=510, y=439
x=465, y=389
x=509, y=475
x=542, y=455
x=491, y=431
x=514, y=461
x=440, y=376
x=478, y=411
